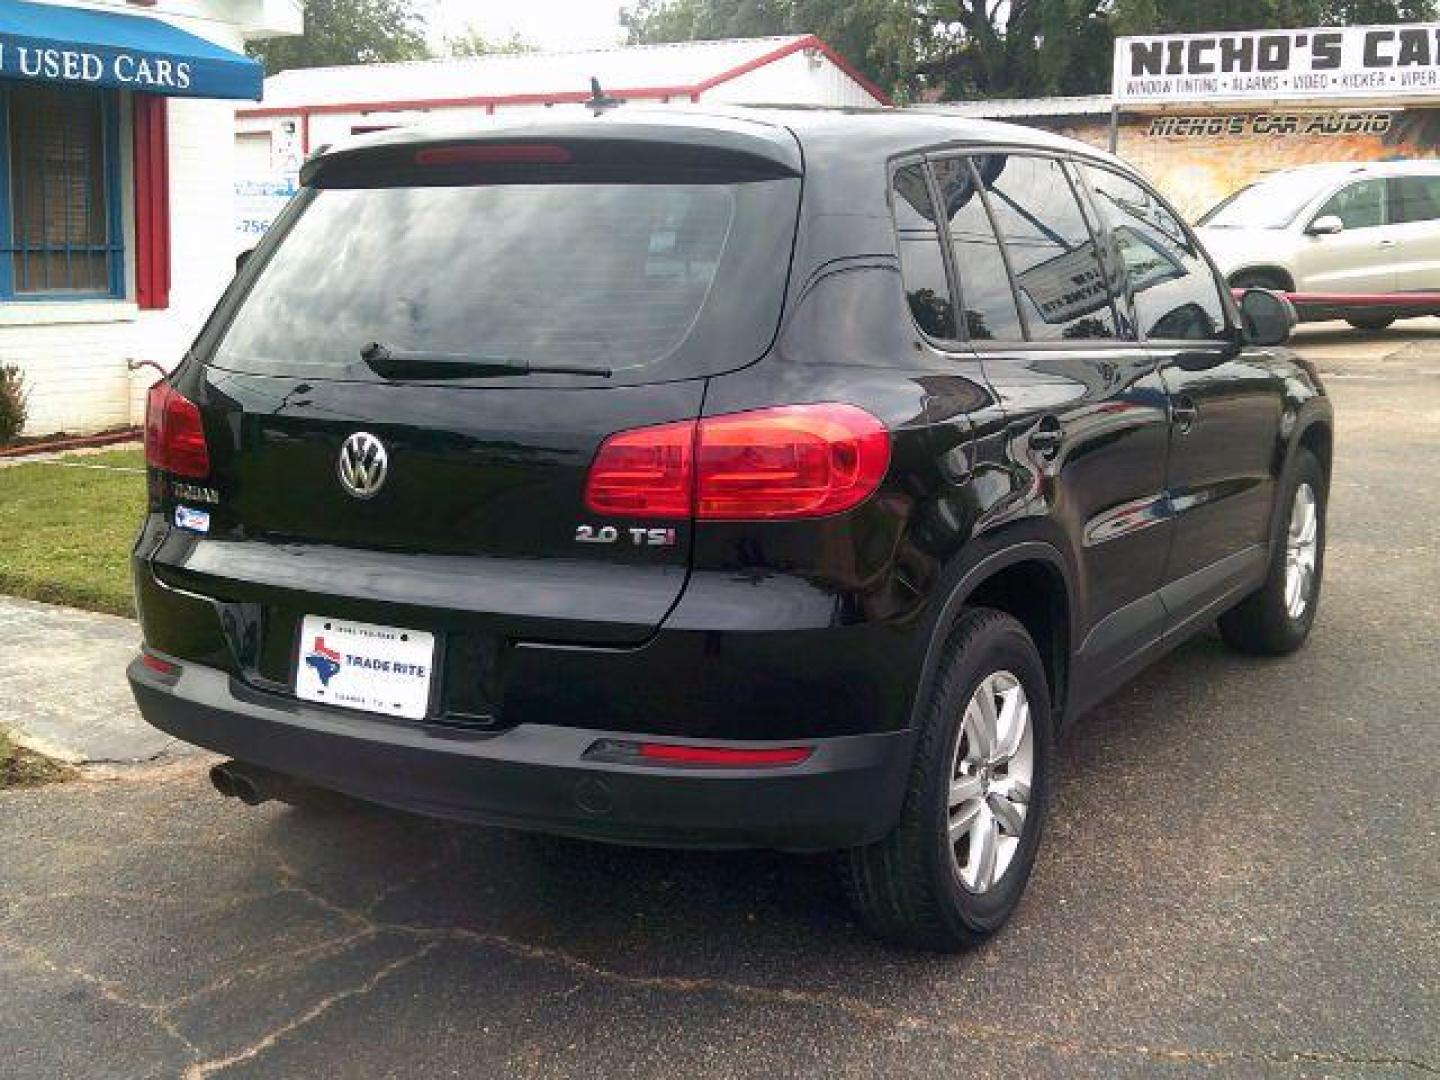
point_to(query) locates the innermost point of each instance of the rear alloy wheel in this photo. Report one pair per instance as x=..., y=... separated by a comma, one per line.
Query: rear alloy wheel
x=1276, y=619
x=990, y=781
x=1371, y=322
x=953, y=869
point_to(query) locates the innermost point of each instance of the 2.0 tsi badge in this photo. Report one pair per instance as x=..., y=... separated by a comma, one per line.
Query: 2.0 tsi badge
x=363, y=465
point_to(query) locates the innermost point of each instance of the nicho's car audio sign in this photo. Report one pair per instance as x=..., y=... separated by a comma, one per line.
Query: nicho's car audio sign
x=1326, y=62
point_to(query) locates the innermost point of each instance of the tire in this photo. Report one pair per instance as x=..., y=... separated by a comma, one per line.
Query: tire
x=1260, y=279
x=912, y=887
x=1371, y=322
x=1273, y=621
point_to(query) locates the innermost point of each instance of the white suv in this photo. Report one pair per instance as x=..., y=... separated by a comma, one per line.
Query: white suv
x=1339, y=229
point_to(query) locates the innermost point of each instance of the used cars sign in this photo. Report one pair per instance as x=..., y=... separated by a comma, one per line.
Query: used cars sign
x=81, y=47
x=1331, y=62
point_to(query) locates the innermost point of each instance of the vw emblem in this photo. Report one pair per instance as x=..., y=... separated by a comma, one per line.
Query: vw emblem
x=363, y=465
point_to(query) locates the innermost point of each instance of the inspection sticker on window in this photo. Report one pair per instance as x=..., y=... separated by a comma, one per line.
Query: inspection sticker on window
x=194, y=520
x=383, y=669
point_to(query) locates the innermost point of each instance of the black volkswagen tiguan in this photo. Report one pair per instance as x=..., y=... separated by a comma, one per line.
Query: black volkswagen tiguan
x=749, y=478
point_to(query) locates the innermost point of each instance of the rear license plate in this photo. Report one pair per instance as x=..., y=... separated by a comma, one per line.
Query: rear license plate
x=381, y=669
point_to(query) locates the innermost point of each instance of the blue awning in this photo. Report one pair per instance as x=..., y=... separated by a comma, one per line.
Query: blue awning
x=47, y=43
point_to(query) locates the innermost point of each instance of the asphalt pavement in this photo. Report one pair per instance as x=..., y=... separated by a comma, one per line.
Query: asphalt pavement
x=1240, y=877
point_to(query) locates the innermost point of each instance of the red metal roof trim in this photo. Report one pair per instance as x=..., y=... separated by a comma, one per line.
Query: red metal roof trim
x=810, y=41
x=489, y=102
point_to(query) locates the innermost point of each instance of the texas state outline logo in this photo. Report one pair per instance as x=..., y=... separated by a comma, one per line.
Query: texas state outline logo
x=325, y=660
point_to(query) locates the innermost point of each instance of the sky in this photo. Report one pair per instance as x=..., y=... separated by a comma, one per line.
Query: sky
x=547, y=24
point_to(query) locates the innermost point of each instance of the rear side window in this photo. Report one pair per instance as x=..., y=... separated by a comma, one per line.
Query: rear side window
x=922, y=263
x=989, y=301
x=1414, y=198
x=1058, y=274
x=651, y=280
x=1359, y=206
x=1176, y=294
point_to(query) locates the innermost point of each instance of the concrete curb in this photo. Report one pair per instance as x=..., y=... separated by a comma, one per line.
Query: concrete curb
x=63, y=692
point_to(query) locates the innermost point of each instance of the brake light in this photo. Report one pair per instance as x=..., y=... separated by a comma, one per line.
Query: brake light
x=174, y=434
x=494, y=154
x=791, y=461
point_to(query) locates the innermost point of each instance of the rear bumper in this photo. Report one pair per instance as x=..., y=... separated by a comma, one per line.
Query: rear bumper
x=534, y=776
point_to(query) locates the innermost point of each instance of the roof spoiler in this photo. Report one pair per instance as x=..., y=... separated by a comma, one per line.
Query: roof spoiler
x=679, y=144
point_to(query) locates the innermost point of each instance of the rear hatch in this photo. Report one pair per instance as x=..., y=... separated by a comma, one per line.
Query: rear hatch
x=486, y=311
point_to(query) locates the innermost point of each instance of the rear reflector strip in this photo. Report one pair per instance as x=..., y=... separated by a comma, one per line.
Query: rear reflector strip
x=154, y=663
x=686, y=754
x=733, y=756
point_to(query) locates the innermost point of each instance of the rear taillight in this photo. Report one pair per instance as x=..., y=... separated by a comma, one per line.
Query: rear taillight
x=648, y=472
x=787, y=462
x=174, y=434
x=792, y=461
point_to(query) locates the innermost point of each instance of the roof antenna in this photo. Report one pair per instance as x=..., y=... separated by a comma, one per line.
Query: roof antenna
x=599, y=100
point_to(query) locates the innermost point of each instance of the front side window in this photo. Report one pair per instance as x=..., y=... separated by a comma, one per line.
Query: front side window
x=1359, y=206
x=1414, y=198
x=990, y=313
x=1176, y=295
x=60, y=222
x=1058, y=274
x=922, y=262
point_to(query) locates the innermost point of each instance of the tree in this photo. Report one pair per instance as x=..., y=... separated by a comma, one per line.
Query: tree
x=957, y=49
x=471, y=42
x=1160, y=17
x=348, y=32
x=882, y=37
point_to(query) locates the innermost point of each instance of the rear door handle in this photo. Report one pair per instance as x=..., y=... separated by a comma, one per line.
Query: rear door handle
x=1046, y=438
x=1183, y=414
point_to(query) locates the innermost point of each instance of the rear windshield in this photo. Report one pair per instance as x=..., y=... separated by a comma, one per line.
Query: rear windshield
x=654, y=281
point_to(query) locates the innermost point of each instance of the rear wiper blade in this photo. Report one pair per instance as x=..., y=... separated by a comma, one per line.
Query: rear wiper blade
x=414, y=363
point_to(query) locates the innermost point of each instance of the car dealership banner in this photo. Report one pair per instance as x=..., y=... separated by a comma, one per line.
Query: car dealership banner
x=1375, y=62
x=75, y=46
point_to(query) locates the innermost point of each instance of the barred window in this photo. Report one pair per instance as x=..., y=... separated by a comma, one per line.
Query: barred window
x=59, y=219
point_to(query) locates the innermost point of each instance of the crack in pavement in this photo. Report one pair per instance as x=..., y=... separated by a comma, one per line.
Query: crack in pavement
x=317, y=950
x=202, y=1069
x=862, y=1011
x=364, y=926
x=107, y=990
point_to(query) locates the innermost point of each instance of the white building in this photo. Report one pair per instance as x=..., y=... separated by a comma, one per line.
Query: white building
x=306, y=108
x=116, y=189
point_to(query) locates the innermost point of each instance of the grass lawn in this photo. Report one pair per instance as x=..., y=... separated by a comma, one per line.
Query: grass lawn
x=20, y=768
x=66, y=528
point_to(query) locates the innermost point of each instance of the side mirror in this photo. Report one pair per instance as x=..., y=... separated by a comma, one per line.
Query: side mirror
x=242, y=259
x=1326, y=225
x=1268, y=317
